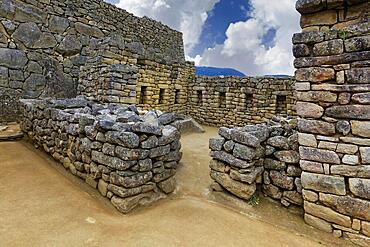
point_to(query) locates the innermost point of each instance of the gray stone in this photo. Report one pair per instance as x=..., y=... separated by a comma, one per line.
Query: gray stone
x=169, y=134
x=88, y=30
x=347, y=205
x=244, y=138
x=358, y=75
x=320, y=155
x=229, y=146
x=164, y=175
x=281, y=180
x=278, y=142
x=124, y=192
x=135, y=180
x=361, y=98
x=360, y=187
x=350, y=159
x=147, y=129
x=125, y=139
x=289, y=156
x=168, y=186
x=58, y=24
x=230, y=159
x=316, y=127
x=69, y=46
x=34, y=85
x=307, y=140
x=239, y=189
x=360, y=112
x=32, y=37
x=247, y=178
x=365, y=155
x=159, y=151
x=244, y=152
x=151, y=142
x=343, y=127
x=272, y=191
x=131, y=154
x=323, y=183
x=112, y=162
x=274, y=164
x=293, y=171
x=13, y=59
x=216, y=143
x=351, y=171
x=315, y=74
x=293, y=197
x=327, y=48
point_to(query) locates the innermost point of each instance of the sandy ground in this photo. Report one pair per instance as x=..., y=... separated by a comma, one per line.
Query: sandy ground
x=43, y=205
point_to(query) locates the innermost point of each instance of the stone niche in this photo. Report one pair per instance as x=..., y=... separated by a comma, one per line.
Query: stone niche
x=130, y=158
x=45, y=44
x=264, y=155
x=333, y=84
x=237, y=101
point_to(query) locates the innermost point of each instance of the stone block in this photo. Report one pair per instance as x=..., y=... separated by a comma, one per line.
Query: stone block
x=281, y=180
x=351, y=171
x=365, y=155
x=316, y=127
x=289, y=156
x=347, y=148
x=216, y=144
x=319, y=155
x=244, y=152
x=360, y=112
x=310, y=166
x=350, y=159
x=310, y=195
x=360, y=187
x=315, y=74
x=361, y=128
x=318, y=223
x=326, y=48
x=309, y=110
x=323, y=183
x=307, y=140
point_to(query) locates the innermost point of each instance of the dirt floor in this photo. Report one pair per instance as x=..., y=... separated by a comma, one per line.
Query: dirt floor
x=43, y=205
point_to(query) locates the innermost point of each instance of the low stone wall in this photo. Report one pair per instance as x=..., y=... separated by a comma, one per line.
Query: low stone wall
x=130, y=159
x=333, y=83
x=237, y=101
x=264, y=154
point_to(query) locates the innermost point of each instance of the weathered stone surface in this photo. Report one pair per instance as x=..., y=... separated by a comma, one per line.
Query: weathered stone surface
x=350, y=159
x=308, y=37
x=293, y=197
x=360, y=187
x=347, y=205
x=315, y=74
x=317, y=96
x=301, y=50
x=309, y=6
x=310, y=196
x=346, y=148
x=159, y=151
x=327, y=214
x=351, y=171
x=34, y=86
x=88, y=30
x=360, y=112
x=343, y=127
x=147, y=129
x=331, y=47
x=169, y=134
x=274, y=164
x=365, y=228
x=69, y=46
x=357, y=43
x=311, y=166
x=361, y=98
x=216, y=143
x=128, y=204
x=151, y=142
x=289, y=156
x=131, y=180
x=230, y=159
x=294, y=171
x=244, y=152
x=357, y=239
x=361, y=128
x=168, y=186
x=124, y=192
x=323, y=183
x=358, y=75
x=357, y=141
x=58, y=24
x=13, y=59
x=229, y=146
x=309, y=110
x=125, y=139
x=32, y=37
x=239, y=189
x=282, y=180
x=272, y=191
x=248, y=177
x=218, y=166
x=318, y=223
x=103, y=187
x=365, y=155
x=320, y=18
x=319, y=155
x=112, y=162
x=307, y=140
x=131, y=154
x=164, y=175
x=244, y=138
x=278, y=142
x=316, y=127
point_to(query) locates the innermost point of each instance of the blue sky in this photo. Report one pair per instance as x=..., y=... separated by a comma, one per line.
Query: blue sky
x=253, y=36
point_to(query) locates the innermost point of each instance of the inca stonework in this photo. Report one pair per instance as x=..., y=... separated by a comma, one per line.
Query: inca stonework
x=130, y=158
x=333, y=76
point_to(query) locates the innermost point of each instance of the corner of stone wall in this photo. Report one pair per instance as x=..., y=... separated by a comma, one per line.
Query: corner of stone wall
x=332, y=60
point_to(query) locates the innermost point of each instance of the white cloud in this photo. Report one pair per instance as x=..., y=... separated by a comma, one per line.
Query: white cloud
x=187, y=16
x=244, y=49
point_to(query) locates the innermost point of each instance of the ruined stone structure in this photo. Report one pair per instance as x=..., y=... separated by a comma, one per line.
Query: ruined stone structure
x=130, y=159
x=264, y=155
x=237, y=101
x=66, y=48
x=44, y=46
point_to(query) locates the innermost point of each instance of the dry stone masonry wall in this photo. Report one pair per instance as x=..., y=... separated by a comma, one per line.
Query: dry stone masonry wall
x=264, y=154
x=130, y=158
x=237, y=101
x=43, y=45
x=333, y=84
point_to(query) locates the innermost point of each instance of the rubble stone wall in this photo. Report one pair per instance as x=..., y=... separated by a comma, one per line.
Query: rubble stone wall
x=333, y=84
x=237, y=101
x=43, y=45
x=130, y=159
x=265, y=155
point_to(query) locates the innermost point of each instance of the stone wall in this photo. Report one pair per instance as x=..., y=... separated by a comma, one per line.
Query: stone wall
x=333, y=75
x=43, y=45
x=237, y=101
x=130, y=158
x=264, y=155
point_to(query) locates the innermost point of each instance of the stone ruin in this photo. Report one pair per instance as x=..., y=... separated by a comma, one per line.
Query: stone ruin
x=65, y=48
x=130, y=158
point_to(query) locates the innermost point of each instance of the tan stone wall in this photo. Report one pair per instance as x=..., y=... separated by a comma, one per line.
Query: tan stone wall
x=333, y=84
x=237, y=101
